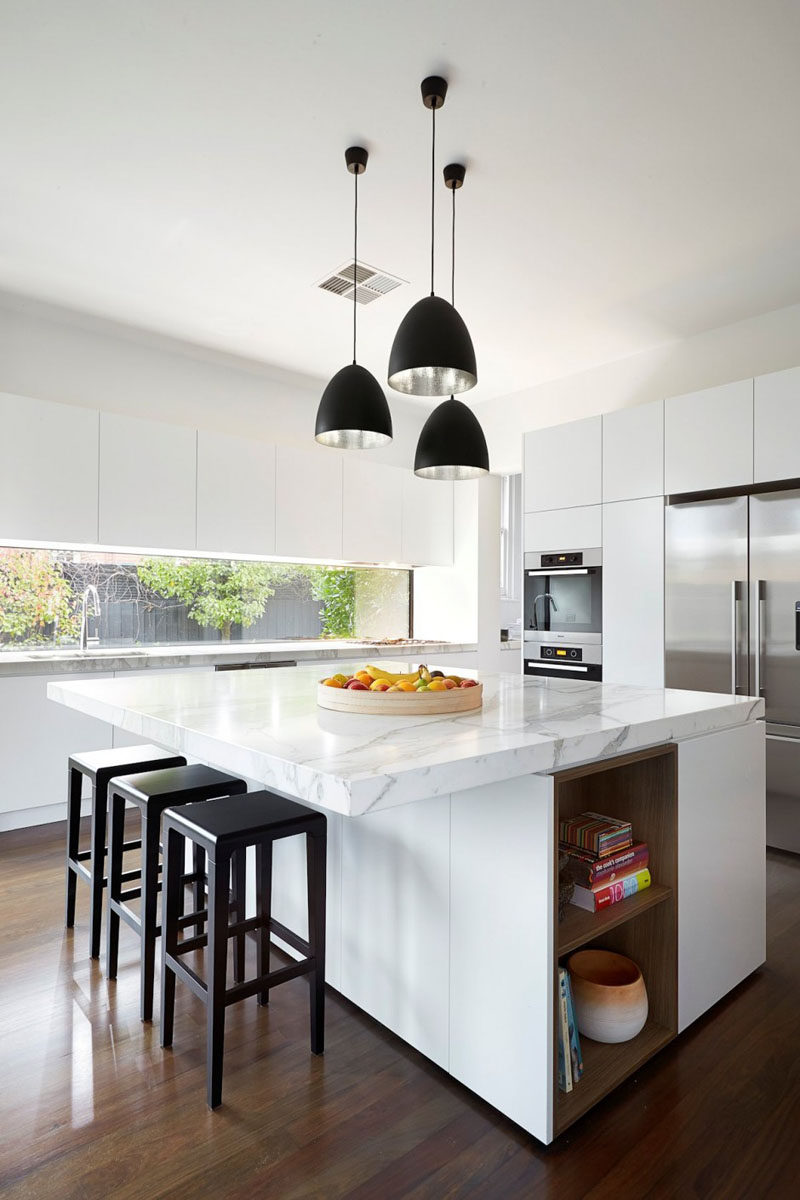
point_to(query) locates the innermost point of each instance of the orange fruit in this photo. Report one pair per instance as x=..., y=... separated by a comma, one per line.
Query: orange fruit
x=405, y=686
x=331, y=682
x=364, y=677
x=437, y=685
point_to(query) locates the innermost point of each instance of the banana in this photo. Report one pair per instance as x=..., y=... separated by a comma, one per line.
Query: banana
x=390, y=677
x=424, y=673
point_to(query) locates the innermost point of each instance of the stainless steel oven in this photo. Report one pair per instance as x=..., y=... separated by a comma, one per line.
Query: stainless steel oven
x=563, y=614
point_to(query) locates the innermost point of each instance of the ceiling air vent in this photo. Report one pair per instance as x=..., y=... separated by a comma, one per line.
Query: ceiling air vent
x=372, y=283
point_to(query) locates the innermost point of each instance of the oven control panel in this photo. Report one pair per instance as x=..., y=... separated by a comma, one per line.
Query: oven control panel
x=574, y=559
x=563, y=653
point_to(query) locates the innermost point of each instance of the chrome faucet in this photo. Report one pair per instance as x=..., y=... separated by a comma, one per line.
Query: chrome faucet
x=543, y=596
x=90, y=594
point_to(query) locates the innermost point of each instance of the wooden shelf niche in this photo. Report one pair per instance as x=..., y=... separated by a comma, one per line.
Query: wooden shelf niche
x=641, y=788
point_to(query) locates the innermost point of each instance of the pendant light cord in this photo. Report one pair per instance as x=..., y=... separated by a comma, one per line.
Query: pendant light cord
x=433, y=177
x=453, y=254
x=355, y=258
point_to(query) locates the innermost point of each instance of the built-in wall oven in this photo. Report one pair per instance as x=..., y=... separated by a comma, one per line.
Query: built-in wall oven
x=563, y=614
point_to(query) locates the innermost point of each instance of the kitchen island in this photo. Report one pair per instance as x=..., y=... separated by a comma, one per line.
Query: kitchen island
x=442, y=910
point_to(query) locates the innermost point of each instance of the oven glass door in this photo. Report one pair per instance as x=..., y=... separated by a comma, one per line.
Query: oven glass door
x=568, y=602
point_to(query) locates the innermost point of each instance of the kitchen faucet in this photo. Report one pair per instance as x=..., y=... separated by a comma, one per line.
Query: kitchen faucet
x=90, y=594
x=543, y=596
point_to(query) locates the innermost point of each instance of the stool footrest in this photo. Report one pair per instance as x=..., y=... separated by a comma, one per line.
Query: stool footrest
x=240, y=991
x=290, y=937
x=82, y=855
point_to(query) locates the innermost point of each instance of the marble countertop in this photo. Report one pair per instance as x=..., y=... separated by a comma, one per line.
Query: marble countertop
x=266, y=726
x=122, y=658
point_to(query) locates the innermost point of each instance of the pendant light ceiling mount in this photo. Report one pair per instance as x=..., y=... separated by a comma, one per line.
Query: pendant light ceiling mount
x=454, y=175
x=432, y=353
x=353, y=413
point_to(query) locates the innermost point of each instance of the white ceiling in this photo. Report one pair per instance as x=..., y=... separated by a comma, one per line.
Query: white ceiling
x=633, y=169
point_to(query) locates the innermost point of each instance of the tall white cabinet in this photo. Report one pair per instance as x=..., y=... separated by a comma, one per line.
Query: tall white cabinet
x=708, y=439
x=633, y=592
x=563, y=466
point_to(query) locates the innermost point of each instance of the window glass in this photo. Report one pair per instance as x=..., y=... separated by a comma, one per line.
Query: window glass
x=62, y=598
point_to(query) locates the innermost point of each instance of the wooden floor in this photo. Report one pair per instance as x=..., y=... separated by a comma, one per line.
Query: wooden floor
x=91, y=1107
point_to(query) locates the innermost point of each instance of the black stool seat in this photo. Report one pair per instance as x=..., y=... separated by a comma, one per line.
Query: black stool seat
x=99, y=766
x=152, y=792
x=222, y=829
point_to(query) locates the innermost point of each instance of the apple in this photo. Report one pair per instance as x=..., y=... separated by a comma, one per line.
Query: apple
x=469, y=683
x=358, y=686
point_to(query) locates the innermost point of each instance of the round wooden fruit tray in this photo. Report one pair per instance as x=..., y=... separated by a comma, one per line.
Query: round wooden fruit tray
x=406, y=704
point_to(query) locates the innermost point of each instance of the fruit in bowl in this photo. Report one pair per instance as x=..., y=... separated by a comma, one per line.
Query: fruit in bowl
x=375, y=679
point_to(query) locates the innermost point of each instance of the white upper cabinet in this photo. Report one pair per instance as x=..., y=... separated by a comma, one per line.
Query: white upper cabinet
x=48, y=471
x=563, y=465
x=633, y=592
x=708, y=438
x=372, y=512
x=564, y=529
x=427, y=521
x=148, y=482
x=235, y=494
x=633, y=452
x=777, y=426
x=308, y=503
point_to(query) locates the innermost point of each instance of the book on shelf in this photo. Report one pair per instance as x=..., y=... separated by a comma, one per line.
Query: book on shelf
x=564, y=1053
x=593, y=899
x=590, y=871
x=594, y=832
x=575, y=1056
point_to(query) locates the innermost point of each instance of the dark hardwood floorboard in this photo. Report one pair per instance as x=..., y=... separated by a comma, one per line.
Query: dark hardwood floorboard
x=92, y=1108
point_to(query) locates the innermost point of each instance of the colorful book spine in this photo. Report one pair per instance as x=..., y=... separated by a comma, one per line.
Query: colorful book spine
x=576, y=1058
x=589, y=871
x=597, y=833
x=564, y=1055
x=594, y=900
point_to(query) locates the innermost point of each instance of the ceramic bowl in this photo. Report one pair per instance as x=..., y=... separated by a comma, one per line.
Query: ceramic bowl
x=609, y=995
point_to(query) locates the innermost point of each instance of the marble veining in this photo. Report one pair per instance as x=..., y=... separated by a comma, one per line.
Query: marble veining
x=266, y=725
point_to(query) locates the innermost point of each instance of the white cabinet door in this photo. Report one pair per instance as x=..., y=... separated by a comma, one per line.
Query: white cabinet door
x=721, y=865
x=563, y=465
x=633, y=452
x=708, y=438
x=148, y=483
x=48, y=471
x=427, y=521
x=235, y=494
x=777, y=426
x=38, y=737
x=308, y=503
x=396, y=920
x=565, y=529
x=633, y=592
x=501, y=913
x=372, y=512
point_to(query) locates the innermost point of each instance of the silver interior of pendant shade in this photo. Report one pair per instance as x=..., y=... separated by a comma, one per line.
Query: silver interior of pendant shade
x=353, y=439
x=450, y=472
x=432, y=381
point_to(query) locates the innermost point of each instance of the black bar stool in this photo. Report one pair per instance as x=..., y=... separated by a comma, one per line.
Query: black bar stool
x=99, y=766
x=222, y=829
x=151, y=793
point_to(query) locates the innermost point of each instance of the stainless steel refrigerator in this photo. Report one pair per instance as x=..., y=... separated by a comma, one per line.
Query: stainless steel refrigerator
x=733, y=623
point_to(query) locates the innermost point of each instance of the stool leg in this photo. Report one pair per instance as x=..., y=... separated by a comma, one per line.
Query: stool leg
x=174, y=852
x=73, y=832
x=199, y=888
x=316, y=865
x=116, y=837
x=98, y=867
x=218, y=905
x=264, y=901
x=239, y=884
x=150, y=840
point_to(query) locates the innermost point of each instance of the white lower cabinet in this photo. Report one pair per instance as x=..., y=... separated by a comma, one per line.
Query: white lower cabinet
x=38, y=737
x=395, y=920
x=722, y=866
x=633, y=592
x=564, y=529
x=501, y=947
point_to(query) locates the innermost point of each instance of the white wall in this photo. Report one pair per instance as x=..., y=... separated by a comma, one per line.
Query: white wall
x=770, y=342
x=53, y=354
x=462, y=603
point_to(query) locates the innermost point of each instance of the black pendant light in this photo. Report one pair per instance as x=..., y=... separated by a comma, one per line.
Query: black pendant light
x=451, y=444
x=353, y=413
x=432, y=352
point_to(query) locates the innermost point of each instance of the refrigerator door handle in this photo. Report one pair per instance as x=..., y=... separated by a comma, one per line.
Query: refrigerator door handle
x=735, y=601
x=758, y=598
